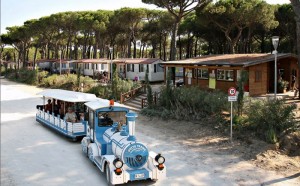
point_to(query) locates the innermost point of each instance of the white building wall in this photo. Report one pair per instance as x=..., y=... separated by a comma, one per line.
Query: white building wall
x=153, y=76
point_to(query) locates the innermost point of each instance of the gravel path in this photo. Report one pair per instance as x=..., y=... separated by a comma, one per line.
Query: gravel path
x=31, y=154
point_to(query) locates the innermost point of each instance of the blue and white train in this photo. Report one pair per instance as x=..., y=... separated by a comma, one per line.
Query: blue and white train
x=108, y=131
x=111, y=144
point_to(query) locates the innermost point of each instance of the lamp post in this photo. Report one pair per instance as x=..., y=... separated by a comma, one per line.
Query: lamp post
x=275, y=41
x=59, y=62
x=111, y=70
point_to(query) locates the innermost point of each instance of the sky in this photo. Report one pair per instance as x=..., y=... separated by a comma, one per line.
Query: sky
x=16, y=12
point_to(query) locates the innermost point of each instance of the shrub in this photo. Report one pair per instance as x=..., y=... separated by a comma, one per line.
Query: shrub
x=191, y=103
x=101, y=91
x=270, y=118
x=23, y=76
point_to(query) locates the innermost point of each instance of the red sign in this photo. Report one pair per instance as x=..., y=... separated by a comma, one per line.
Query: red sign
x=231, y=91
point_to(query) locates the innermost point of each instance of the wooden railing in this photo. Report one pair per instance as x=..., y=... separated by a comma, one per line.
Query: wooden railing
x=133, y=93
x=155, y=100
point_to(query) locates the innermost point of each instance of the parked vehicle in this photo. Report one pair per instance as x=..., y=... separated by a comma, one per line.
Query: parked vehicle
x=111, y=144
x=54, y=116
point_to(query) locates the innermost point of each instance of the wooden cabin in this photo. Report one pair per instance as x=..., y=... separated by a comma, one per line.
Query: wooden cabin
x=223, y=71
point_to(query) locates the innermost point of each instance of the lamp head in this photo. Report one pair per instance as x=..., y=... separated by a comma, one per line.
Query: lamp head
x=275, y=41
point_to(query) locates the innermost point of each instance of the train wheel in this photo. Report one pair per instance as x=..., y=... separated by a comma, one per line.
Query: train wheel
x=107, y=172
x=90, y=154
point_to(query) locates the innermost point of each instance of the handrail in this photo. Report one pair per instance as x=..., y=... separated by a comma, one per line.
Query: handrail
x=130, y=94
x=144, y=101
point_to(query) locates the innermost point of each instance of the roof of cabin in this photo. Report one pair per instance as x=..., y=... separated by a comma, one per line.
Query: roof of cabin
x=101, y=60
x=69, y=96
x=137, y=60
x=102, y=103
x=230, y=59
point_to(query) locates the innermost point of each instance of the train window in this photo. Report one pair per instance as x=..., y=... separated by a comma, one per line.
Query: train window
x=108, y=118
x=91, y=119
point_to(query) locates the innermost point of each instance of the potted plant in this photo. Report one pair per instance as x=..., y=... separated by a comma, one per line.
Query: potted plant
x=282, y=86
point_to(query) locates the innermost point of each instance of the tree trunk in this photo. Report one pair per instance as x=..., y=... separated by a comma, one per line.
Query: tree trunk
x=173, y=41
x=296, y=7
x=34, y=57
x=129, y=48
x=196, y=46
x=180, y=48
x=298, y=49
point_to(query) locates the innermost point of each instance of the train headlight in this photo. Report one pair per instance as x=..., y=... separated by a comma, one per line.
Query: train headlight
x=118, y=163
x=159, y=159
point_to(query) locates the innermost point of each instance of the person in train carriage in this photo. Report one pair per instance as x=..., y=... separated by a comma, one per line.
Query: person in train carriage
x=48, y=106
x=56, y=107
x=70, y=115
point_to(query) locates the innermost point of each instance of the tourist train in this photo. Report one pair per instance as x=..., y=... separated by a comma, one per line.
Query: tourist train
x=109, y=137
x=59, y=101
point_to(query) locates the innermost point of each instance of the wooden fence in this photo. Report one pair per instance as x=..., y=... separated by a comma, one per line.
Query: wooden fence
x=133, y=93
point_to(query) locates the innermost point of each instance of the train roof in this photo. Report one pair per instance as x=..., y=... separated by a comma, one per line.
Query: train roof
x=103, y=103
x=69, y=96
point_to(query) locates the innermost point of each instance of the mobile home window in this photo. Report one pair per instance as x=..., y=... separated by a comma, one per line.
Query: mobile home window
x=102, y=66
x=226, y=75
x=96, y=66
x=159, y=68
x=258, y=75
x=141, y=68
x=155, y=68
x=128, y=67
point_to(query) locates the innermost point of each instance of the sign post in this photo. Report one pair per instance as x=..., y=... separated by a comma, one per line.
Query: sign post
x=231, y=98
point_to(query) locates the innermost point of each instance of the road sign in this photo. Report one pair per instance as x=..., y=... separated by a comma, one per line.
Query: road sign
x=231, y=91
x=232, y=98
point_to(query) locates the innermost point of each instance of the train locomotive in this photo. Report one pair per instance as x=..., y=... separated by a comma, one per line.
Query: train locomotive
x=111, y=144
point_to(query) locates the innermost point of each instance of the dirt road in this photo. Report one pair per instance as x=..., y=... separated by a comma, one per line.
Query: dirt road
x=33, y=155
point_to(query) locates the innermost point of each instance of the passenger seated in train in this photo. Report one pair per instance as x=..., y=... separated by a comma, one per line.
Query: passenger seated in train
x=70, y=115
x=48, y=106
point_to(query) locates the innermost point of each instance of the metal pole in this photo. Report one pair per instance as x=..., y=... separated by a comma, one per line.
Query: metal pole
x=275, y=78
x=111, y=70
x=60, y=62
x=231, y=121
x=111, y=66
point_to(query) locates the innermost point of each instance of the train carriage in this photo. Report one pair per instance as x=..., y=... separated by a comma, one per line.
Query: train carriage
x=111, y=144
x=56, y=121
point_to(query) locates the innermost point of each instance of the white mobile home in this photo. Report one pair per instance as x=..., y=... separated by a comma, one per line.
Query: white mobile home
x=92, y=67
x=135, y=69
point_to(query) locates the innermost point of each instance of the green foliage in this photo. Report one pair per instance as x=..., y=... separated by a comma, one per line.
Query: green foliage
x=67, y=82
x=149, y=89
x=161, y=112
x=166, y=93
x=23, y=76
x=101, y=91
x=191, y=103
x=241, y=83
x=270, y=118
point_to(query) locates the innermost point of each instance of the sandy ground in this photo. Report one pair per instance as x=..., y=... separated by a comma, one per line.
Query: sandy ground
x=195, y=155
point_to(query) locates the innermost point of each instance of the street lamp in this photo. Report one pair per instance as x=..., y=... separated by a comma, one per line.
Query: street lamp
x=275, y=41
x=111, y=73
x=59, y=62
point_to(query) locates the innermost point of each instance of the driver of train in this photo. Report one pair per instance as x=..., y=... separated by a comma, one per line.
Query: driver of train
x=105, y=120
